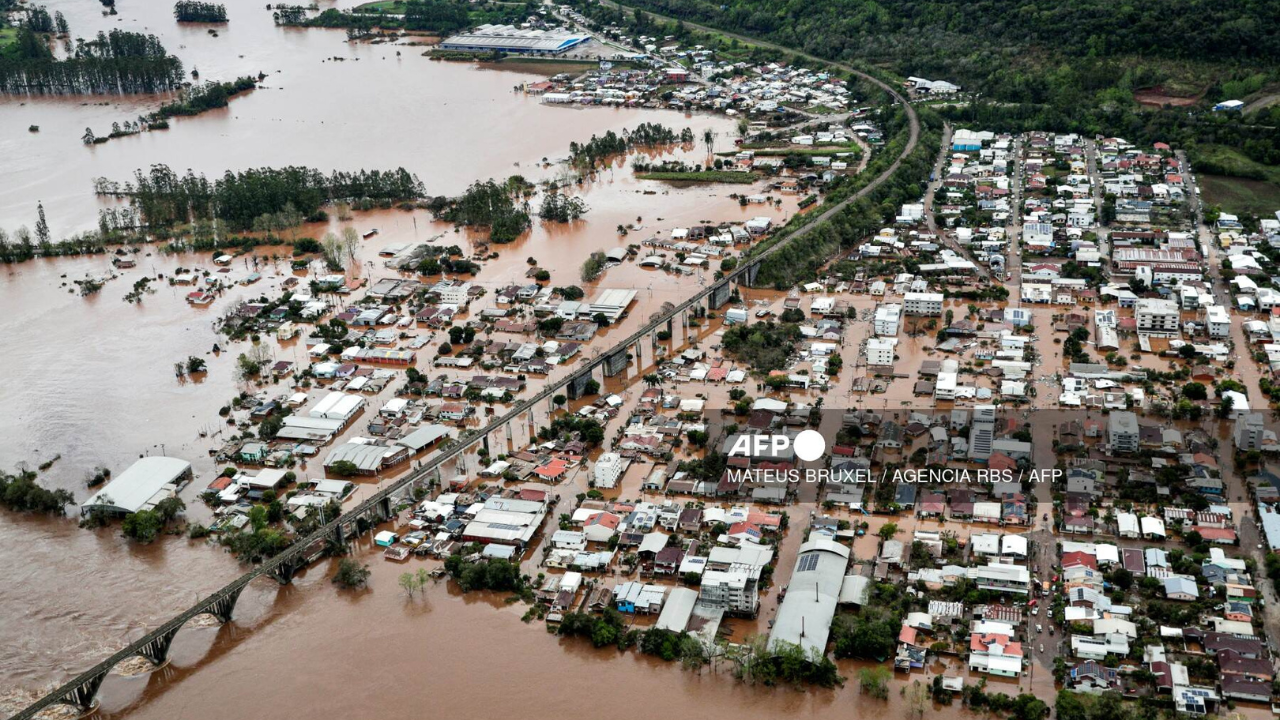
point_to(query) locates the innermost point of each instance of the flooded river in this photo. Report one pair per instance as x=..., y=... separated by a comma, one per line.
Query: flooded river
x=325, y=103
x=90, y=380
x=315, y=652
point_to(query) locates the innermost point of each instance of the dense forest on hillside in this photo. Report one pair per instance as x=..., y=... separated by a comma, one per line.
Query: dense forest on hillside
x=164, y=198
x=975, y=41
x=119, y=62
x=1142, y=72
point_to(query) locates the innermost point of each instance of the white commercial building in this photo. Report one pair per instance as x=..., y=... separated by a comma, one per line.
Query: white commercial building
x=1157, y=315
x=1218, y=321
x=880, y=351
x=944, y=387
x=887, y=318
x=141, y=487
x=513, y=40
x=923, y=303
x=458, y=294
x=608, y=470
x=610, y=303
x=337, y=406
x=734, y=590
x=1122, y=431
x=1037, y=234
x=805, y=615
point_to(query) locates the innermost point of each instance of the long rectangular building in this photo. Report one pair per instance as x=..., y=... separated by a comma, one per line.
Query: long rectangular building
x=513, y=40
x=805, y=616
x=923, y=303
x=610, y=303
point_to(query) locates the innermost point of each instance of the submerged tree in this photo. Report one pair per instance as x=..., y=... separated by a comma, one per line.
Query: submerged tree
x=593, y=266
x=561, y=208
x=42, y=225
x=115, y=63
x=351, y=574
x=490, y=205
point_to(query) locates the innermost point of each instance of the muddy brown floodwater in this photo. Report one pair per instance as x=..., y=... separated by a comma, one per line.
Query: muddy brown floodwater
x=306, y=651
x=91, y=379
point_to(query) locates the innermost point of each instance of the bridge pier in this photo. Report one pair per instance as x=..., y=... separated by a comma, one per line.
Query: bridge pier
x=503, y=433
x=615, y=363
x=157, y=651
x=518, y=431
x=285, y=571
x=577, y=386
x=387, y=509
x=81, y=697
x=748, y=277
x=719, y=296
x=539, y=416
x=225, y=605
x=679, y=326
x=644, y=352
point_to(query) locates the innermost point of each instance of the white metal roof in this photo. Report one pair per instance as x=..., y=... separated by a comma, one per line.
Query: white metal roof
x=135, y=488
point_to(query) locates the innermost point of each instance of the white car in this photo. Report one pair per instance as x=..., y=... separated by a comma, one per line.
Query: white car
x=1038, y=628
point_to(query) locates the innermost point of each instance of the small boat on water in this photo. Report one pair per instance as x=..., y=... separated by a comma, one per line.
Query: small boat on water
x=371, y=233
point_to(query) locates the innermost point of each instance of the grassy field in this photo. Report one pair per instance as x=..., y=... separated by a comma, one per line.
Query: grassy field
x=1237, y=183
x=1222, y=160
x=702, y=176
x=395, y=7
x=1240, y=196
x=7, y=36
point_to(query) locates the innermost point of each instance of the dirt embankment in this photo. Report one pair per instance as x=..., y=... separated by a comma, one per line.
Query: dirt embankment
x=1158, y=96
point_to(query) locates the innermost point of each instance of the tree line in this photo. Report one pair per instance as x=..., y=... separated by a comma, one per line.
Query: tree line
x=163, y=198
x=289, y=15
x=195, y=11
x=20, y=492
x=799, y=261
x=431, y=16
x=209, y=96
x=487, y=204
x=115, y=63
x=1065, y=67
x=38, y=20
x=977, y=37
x=558, y=207
x=645, y=135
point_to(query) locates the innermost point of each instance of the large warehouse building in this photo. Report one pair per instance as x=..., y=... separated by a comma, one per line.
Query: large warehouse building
x=610, y=303
x=141, y=487
x=508, y=39
x=805, y=616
